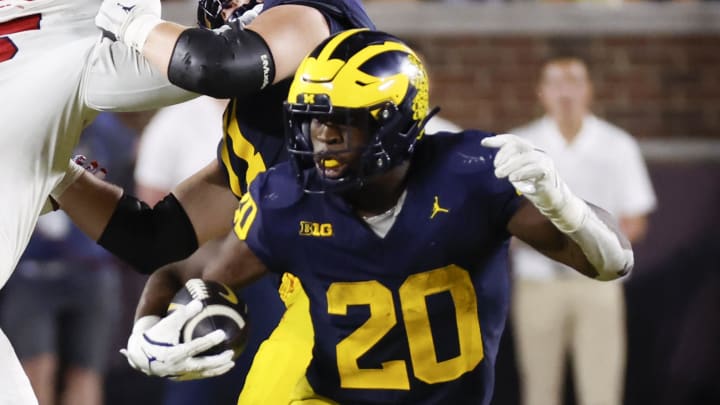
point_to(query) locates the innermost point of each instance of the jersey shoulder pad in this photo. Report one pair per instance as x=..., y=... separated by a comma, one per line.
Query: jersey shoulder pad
x=462, y=153
x=277, y=187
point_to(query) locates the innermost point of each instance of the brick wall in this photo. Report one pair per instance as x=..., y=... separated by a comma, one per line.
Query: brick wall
x=652, y=86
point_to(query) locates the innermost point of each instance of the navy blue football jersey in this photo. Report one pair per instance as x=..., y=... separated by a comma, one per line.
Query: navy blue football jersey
x=254, y=140
x=253, y=126
x=414, y=317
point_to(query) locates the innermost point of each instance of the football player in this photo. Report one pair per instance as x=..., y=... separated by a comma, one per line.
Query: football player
x=400, y=240
x=251, y=63
x=56, y=73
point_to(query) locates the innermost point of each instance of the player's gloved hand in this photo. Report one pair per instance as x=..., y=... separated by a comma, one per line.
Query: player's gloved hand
x=533, y=173
x=76, y=166
x=129, y=21
x=154, y=348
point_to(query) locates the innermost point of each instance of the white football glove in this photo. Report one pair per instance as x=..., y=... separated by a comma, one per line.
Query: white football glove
x=154, y=348
x=533, y=174
x=130, y=21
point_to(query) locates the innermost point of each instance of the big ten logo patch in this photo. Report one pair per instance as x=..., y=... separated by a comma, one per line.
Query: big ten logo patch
x=316, y=229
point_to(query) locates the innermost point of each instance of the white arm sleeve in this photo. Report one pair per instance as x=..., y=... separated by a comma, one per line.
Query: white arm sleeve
x=119, y=79
x=601, y=246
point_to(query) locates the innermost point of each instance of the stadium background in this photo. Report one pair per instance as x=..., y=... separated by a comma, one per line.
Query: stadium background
x=656, y=68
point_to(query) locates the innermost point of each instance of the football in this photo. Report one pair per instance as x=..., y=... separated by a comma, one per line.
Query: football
x=222, y=309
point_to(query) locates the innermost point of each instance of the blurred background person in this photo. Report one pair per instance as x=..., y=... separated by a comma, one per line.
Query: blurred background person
x=61, y=307
x=177, y=142
x=556, y=313
x=439, y=124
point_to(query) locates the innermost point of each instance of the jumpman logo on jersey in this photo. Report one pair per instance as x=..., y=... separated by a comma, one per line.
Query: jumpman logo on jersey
x=436, y=209
x=127, y=9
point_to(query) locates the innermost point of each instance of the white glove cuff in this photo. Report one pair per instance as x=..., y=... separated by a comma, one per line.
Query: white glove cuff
x=145, y=323
x=139, y=29
x=602, y=248
x=571, y=214
x=73, y=172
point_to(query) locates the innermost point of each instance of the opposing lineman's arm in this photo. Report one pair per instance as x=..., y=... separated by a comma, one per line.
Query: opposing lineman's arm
x=119, y=79
x=555, y=221
x=227, y=62
x=197, y=210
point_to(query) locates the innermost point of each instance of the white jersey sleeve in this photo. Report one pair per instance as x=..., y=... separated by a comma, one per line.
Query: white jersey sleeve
x=119, y=79
x=55, y=72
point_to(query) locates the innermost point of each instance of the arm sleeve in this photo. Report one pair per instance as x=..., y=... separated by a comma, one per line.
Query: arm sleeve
x=226, y=62
x=148, y=238
x=119, y=79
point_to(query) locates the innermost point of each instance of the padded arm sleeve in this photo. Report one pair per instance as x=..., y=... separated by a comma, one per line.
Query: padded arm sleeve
x=602, y=247
x=148, y=238
x=227, y=62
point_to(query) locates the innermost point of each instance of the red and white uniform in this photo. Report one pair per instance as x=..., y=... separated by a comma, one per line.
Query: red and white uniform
x=56, y=72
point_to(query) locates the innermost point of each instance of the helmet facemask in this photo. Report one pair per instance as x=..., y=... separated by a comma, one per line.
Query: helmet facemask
x=388, y=142
x=361, y=79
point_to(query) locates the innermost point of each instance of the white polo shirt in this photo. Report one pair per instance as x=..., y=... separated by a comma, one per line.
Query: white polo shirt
x=439, y=124
x=179, y=141
x=603, y=165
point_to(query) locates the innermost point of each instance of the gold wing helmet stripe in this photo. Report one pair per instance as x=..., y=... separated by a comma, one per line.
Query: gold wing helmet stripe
x=336, y=41
x=347, y=86
x=321, y=72
x=369, y=94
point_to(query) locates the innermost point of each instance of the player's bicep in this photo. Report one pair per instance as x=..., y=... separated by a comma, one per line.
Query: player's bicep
x=208, y=202
x=291, y=32
x=236, y=265
x=119, y=79
x=532, y=227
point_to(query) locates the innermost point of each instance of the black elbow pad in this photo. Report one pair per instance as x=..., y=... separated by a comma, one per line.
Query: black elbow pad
x=223, y=63
x=149, y=238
